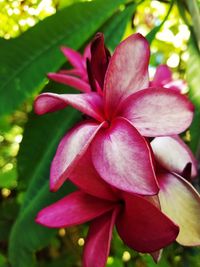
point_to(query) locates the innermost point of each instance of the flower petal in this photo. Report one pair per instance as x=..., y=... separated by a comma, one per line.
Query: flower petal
x=87, y=179
x=97, y=246
x=88, y=103
x=71, y=148
x=156, y=255
x=123, y=159
x=173, y=154
x=69, y=80
x=158, y=112
x=143, y=227
x=100, y=58
x=181, y=202
x=127, y=71
x=74, y=57
x=162, y=76
x=73, y=209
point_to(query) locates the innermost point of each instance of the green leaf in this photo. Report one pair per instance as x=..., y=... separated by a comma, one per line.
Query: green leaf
x=27, y=236
x=193, y=78
x=114, y=28
x=26, y=59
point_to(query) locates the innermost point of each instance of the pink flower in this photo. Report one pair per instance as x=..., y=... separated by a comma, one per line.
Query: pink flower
x=163, y=77
x=120, y=119
x=138, y=220
x=178, y=198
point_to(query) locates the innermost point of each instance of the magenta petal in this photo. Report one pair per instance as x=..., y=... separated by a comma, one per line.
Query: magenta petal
x=86, y=178
x=143, y=227
x=173, y=154
x=123, y=159
x=73, y=209
x=97, y=246
x=127, y=71
x=87, y=52
x=162, y=76
x=71, y=148
x=74, y=57
x=70, y=81
x=158, y=112
x=88, y=103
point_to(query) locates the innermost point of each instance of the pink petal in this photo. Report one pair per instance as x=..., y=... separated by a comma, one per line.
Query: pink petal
x=178, y=85
x=87, y=52
x=181, y=202
x=88, y=103
x=100, y=58
x=123, y=159
x=71, y=148
x=68, y=72
x=173, y=154
x=157, y=112
x=73, y=209
x=162, y=76
x=74, y=57
x=127, y=71
x=143, y=227
x=69, y=80
x=98, y=241
x=87, y=179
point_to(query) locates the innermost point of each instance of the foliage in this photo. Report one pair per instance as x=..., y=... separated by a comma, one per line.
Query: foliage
x=24, y=163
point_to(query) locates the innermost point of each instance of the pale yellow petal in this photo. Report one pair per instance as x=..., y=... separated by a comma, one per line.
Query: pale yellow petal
x=181, y=202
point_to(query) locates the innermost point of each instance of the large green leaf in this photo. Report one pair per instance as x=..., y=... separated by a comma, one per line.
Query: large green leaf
x=193, y=78
x=40, y=140
x=26, y=59
x=114, y=28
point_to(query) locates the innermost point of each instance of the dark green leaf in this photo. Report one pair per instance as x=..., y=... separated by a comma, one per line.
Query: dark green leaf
x=26, y=59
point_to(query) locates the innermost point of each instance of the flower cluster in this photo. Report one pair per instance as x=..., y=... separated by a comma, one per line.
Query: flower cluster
x=131, y=168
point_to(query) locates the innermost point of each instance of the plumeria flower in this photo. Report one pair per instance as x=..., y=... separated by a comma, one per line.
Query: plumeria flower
x=178, y=198
x=163, y=77
x=139, y=221
x=119, y=120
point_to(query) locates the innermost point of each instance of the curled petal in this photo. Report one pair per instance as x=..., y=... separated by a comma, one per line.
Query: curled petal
x=143, y=227
x=100, y=58
x=97, y=246
x=69, y=80
x=173, y=154
x=74, y=57
x=122, y=158
x=88, y=103
x=71, y=148
x=181, y=202
x=162, y=76
x=158, y=112
x=127, y=71
x=87, y=179
x=73, y=209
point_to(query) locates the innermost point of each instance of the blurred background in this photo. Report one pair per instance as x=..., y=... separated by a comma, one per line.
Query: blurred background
x=31, y=33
